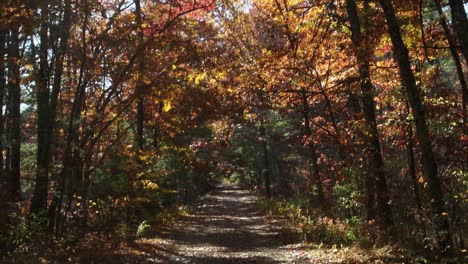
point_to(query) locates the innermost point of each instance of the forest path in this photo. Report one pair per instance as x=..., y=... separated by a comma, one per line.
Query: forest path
x=226, y=227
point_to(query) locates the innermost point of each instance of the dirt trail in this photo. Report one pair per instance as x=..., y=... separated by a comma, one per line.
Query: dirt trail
x=225, y=228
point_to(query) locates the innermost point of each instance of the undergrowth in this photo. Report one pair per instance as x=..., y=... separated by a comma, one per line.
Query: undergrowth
x=30, y=242
x=313, y=227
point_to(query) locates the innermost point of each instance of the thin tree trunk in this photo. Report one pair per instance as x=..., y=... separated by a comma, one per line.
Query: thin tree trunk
x=39, y=201
x=373, y=142
x=140, y=100
x=156, y=128
x=422, y=133
x=4, y=217
x=14, y=126
x=460, y=25
x=2, y=94
x=455, y=56
x=412, y=166
x=266, y=160
x=313, y=154
x=47, y=111
x=69, y=175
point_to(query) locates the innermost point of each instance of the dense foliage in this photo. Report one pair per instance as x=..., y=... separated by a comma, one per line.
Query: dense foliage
x=348, y=115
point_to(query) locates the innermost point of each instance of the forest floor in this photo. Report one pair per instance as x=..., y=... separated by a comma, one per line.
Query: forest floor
x=226, y=227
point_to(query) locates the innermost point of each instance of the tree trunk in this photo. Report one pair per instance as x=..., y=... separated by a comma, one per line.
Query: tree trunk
x=139, y=89
x=39, y=201
x=376, y=161
x=412, y=166
x=68, y=175
x=2, y=94
x=4, y=217
x=47, y=109
x=460, y=24
x=156, y=127
x=313, y=154
x=266, y=160
x=14, y=112
x=455, y=56
x=422, y=133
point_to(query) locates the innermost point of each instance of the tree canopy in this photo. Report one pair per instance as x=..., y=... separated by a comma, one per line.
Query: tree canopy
x=112, y=111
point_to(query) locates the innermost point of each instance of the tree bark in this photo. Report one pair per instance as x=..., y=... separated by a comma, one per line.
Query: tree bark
x=157, y=127
x=376, y=161
x=4, y=218
x=266, y=160
x=412, y=166
x=313, y=154
x=460, y=25
x=39, y=201
x=70, y=174
x=456, y=58
x=14, y=112
x=139, y=89
x=2, y=94
x=47, y=111
x=422, y=132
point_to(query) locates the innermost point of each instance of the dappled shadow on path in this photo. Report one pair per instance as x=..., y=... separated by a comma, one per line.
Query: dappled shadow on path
x=225, y=227
x=226, y=219
x=232, y=260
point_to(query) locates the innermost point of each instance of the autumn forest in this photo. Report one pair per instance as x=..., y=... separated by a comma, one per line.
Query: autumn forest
x=233, y=131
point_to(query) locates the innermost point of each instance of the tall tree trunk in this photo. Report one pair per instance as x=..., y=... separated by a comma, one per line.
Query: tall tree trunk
x=70, y=172
x=422, y=133
x=39, y=201
x=456, y=58
x=460, y=24
x=48, y=119
x=14, y=112
x=3, y=199
x=2, y=94
x=139, y=89
x=376, y=161
x=313, y=154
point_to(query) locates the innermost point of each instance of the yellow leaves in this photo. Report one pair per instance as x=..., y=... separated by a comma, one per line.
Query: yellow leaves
x=167, y=106
x=150, y=185
x=199, y=78
x=266, y=52
x=143, y=157
x=146, y=81
x=212, y=82
x=222, y=74
x=249, y=116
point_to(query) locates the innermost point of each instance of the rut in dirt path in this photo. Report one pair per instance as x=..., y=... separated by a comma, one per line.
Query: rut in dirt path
x=227, y=228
